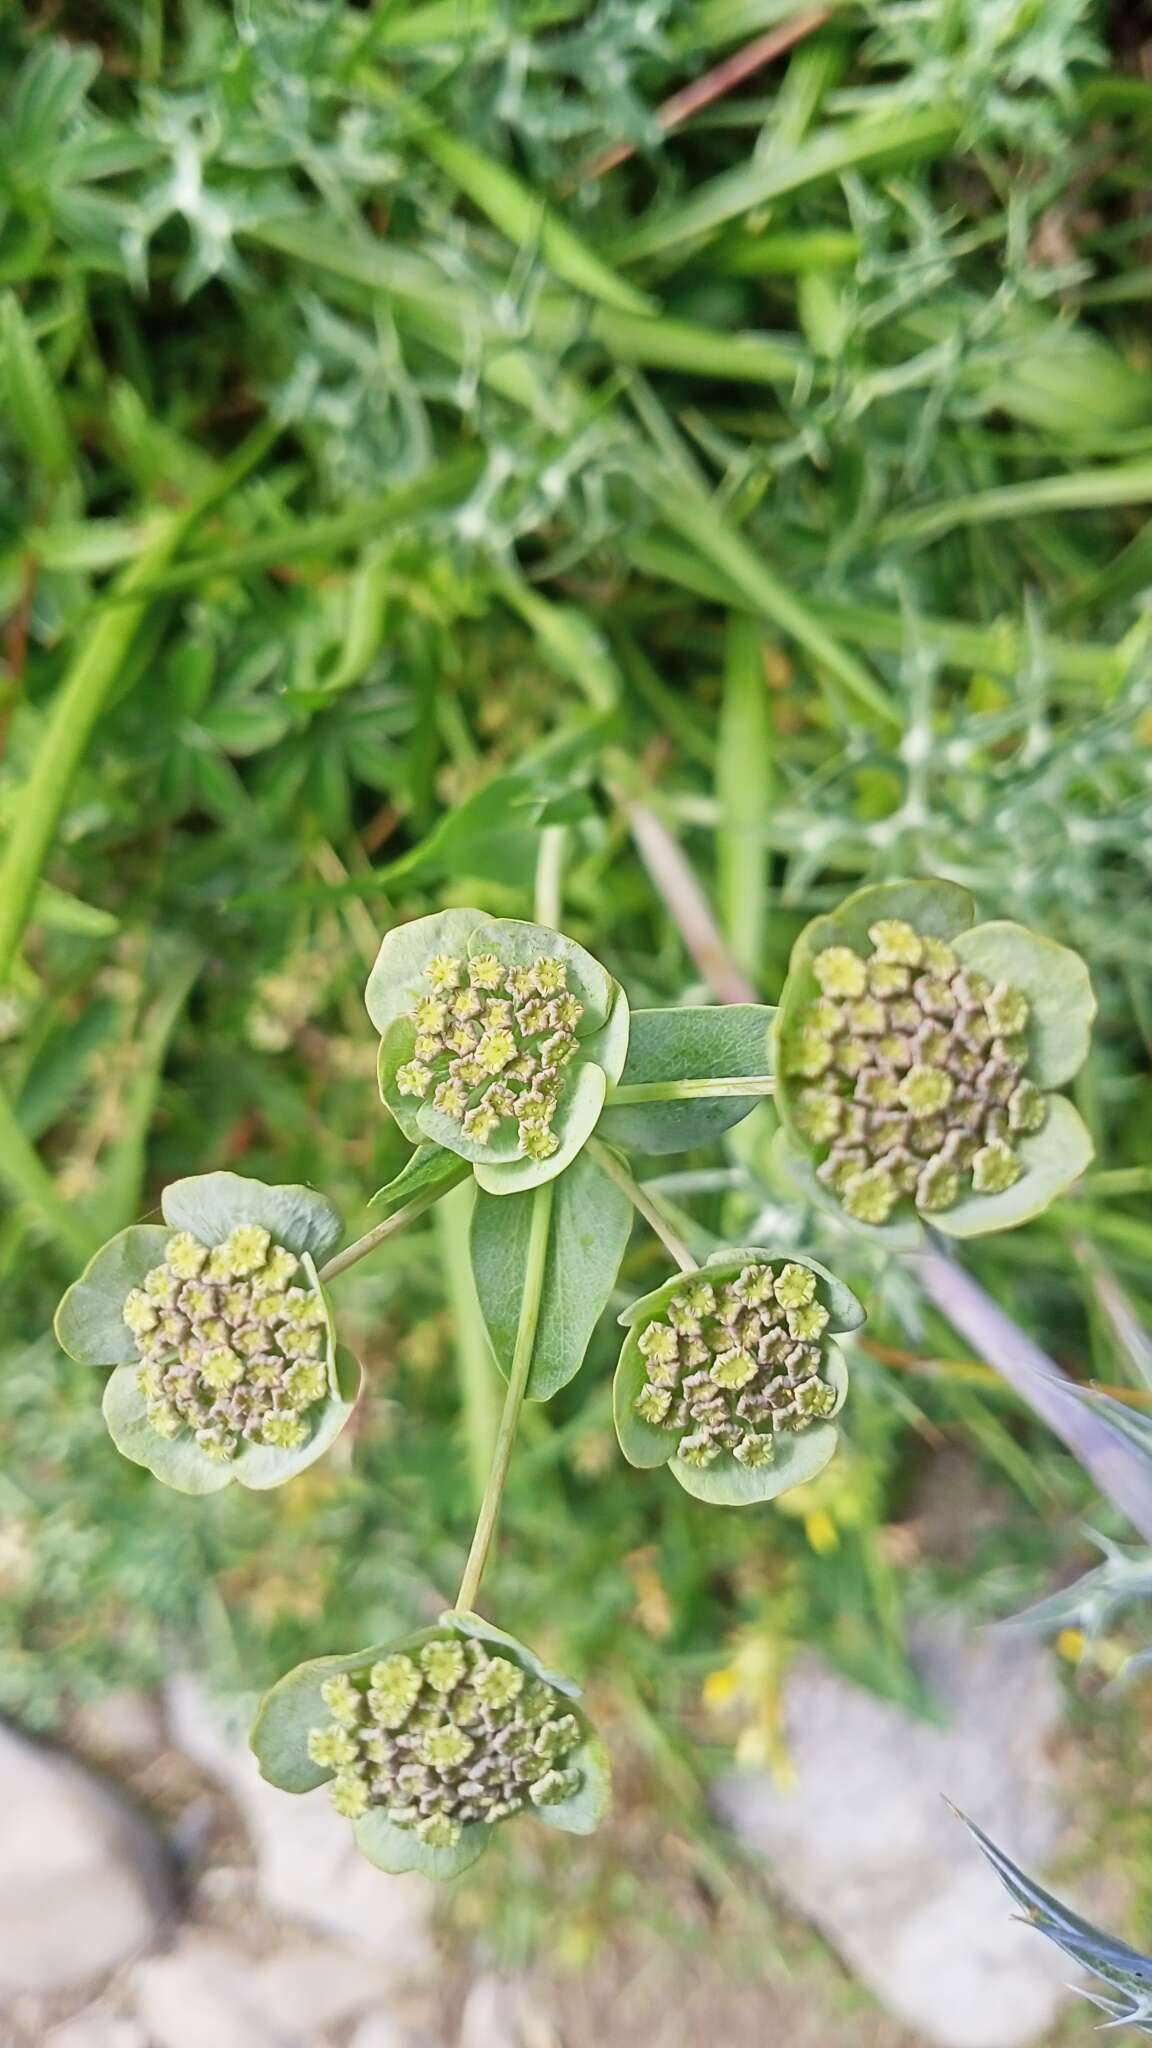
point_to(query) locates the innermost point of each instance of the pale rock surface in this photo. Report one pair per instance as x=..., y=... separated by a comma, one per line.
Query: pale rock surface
x=500, y=2012
x=864, y=1846
x=96, y=2027
x=309, y=1867
x=199, y=1995
x=309, y=1985
x=380, y=2030
x=83, y=1880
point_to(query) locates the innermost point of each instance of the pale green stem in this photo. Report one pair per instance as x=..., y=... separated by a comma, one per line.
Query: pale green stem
x=643, y=1204
x=391, y=1224
x=514, y=1398
x=550, y=875
x=473, y=1358
x=29, y=1181
x=708, y=1088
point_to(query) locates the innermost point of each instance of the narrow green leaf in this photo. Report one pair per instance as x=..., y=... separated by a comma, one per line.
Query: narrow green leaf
x=671, y=1045
x=31, y=405
x=850, y=146
x=1057, y=985
x=590, y=1226
x=210, y=1205
x=744, y=794
x=704, y=526
x=529, y=220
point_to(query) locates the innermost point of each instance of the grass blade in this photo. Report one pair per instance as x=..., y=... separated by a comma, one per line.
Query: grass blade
x=744, y=793
x=529, y=221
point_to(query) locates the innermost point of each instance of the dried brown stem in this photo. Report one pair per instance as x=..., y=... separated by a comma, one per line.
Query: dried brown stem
x=723, y=78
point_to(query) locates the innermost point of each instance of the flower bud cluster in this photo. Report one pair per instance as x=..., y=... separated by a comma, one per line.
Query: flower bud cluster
x=728, y=1365
x=492, y=1043
x=444, y=1736
x=916, y=1076
x=231, y=1349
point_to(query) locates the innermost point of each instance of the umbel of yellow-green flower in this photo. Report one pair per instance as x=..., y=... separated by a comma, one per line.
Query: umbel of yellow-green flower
x=498, y=1041
x=232, y=1346
x=492, y=1044
x=729, y=1376
x=730, y=1364
x=219, y=1333
x=428, y=1743
x=916, y=1074
x=444, y=1737
x=916, y=1052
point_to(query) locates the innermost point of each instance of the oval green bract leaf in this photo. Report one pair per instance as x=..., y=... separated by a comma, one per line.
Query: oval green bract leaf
x=643, y=1443
x=178, y=1461
x=396, y=982
x=583, y=1813
x=89, y=1322
x=293, y=1706
x=690, y=1043
x=1054, y=1156
x=398, y=1850
x=798, y=1459
x=576, y=1119
x=590, y=1225
x=210, y=1205
x=1057, y=985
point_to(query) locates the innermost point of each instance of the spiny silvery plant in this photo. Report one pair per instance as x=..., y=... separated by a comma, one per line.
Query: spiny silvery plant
x=509, y=1056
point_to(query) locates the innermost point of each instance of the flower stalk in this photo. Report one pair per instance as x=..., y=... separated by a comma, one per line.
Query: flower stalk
x=643, y=1204
x=489, y=1515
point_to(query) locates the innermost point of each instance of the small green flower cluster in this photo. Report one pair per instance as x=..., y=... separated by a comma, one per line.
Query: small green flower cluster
x=446, y=1736
x=491, y=1043
x=916, y=1068
x=231, y=1349
x=730, y=1364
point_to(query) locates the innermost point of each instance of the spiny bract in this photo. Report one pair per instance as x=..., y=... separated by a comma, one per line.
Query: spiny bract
x=230, y=1348
x=916, y=1071
x=446, y=1736
x=730, y=1364
x=492, y=1043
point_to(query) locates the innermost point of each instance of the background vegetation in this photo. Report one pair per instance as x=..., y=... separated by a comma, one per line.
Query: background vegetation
x=389, y=479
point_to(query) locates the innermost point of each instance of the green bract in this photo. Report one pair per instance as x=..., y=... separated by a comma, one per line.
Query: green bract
x=431, y=1741
x=728, y=1377
x=219, y=1333
x=916, y=1053
x=498, y=1040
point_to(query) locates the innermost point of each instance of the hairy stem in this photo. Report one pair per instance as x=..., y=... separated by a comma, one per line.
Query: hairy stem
x=708, y=1088
x=391, y=1224
x=514, y=1398
x=474, y=1372
x=609, y=1163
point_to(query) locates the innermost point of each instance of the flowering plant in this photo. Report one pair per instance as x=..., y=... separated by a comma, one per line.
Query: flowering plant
x=917, y=1056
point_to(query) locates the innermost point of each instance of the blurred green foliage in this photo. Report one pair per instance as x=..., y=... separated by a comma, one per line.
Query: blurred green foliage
x=787, y=479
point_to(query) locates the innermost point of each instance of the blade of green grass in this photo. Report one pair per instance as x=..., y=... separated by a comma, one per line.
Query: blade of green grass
x=699, y=522
x=30, y=1185
x=529, y=221
x=744, y=780
x=81, y=696
x=1083, y=490
x=852, y=146
x=1000, y=647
